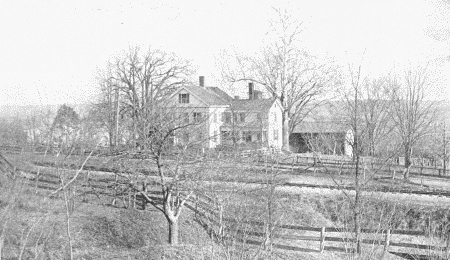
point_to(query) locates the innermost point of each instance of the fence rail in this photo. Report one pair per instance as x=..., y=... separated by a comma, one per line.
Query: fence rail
x=390, y=165
x=324, y=236
x=206, y=212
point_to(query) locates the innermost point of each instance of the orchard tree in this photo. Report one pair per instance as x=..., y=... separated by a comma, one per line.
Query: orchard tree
x=171, y=158
x=286, y=71
x=366, y=108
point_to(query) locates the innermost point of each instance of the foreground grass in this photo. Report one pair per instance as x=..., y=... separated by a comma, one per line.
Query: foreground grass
x=34, y=227
x=35, y=224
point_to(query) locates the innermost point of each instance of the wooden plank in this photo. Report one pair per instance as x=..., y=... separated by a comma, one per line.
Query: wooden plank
x=293, y=248
x=417, y=246
x=300, y=238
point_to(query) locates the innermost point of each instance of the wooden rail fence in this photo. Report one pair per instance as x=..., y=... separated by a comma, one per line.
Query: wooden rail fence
x=345, y=164
x=326, y=237
x=250, y=231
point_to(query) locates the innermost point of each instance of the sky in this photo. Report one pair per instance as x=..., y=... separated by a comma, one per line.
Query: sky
x=51, y=51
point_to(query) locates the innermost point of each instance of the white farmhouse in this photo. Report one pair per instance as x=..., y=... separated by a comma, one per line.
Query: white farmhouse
x=253, y=121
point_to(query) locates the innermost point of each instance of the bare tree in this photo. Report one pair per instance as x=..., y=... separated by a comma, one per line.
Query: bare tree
x=366, y=108
x=106, y=110
x=12, y=132
x=66, y=127
x=135, y=82
x=39, y=128
x=356, y=80
x=286, y=71
x=172, y=159
x=412, y=115
x=375, y=109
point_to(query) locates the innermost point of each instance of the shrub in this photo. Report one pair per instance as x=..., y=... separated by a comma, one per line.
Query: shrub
x=127, y=228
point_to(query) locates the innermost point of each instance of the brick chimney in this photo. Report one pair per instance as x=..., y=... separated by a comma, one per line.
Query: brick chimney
x=250, y=90
x=201, y=81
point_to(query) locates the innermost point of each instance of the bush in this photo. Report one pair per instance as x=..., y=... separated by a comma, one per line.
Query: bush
x=127, y=229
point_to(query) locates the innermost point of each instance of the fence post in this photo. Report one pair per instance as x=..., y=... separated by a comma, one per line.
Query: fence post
x=115, y=190
x=322, y=240
x=38, y=174
x=144, y=190
x=134, y=198
x=387, y=240
x=292, y=169
x=85, y=199
x=364, y=170
x=221, y=229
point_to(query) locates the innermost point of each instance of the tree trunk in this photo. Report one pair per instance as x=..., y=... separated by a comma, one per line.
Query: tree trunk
x=357, y=208
x=408, y=152
x=173, y=231
x=285, y=130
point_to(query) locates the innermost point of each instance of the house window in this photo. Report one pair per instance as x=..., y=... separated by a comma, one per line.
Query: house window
x=275, y=134
x=183, y=98
x=186, y=138
x=186, y=118
x=214, y=117
x=235, y=117
x=258, y=117
x=197, y=117
x=226, y=117
x=214, y=137
x=247, y=136
x=242, y=117
x=274, y=116
x=225, y=135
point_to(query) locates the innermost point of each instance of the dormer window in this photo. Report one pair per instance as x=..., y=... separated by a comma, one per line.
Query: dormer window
x=183, y=98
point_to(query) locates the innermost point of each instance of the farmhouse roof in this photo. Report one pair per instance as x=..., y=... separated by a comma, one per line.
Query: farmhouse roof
x=220, y=93
x=252, y=105
x=207, y=96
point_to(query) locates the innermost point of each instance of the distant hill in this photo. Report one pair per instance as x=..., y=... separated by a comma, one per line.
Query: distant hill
x=330, y=111
x=22, y=112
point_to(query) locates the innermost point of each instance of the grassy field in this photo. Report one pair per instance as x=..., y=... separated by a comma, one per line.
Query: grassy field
x=34, y=225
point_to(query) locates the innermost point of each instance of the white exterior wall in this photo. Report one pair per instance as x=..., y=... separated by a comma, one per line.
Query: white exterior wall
x=210, y=126
x=195, y=105
x=211, y=129
x=214, y=124
x=348, y=150
x=275, y=124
